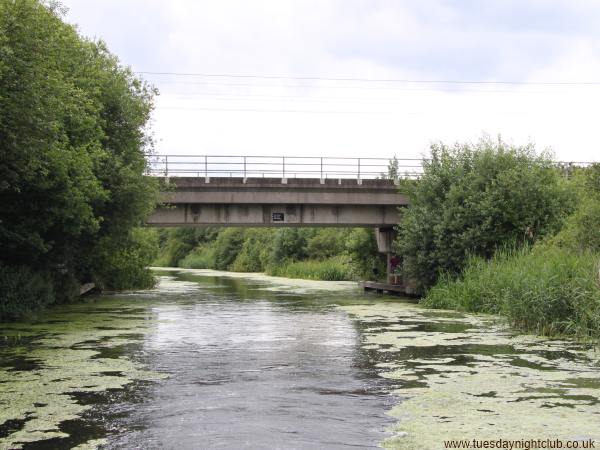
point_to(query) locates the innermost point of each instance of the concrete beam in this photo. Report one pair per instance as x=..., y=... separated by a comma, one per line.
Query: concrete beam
x=274, y=215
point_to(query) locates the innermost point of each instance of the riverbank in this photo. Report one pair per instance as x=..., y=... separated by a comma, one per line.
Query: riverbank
x=75, y=136
x=545, y=290
x=501, y=229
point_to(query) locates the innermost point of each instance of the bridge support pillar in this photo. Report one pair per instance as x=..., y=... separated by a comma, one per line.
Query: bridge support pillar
x=385, y=240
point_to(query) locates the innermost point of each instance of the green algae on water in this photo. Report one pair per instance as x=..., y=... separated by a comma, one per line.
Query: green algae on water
x=480, y=382
x=66, y=355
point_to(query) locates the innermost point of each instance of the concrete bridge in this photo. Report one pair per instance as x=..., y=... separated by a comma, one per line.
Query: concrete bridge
x=279, y=202
x=292, y=192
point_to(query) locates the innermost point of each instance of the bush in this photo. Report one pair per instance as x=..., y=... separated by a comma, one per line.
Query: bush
x=202, y=257
x=177, y=243
x=125, y=265
x=473, y=199
x=546, y=290
x=255, y=252
x=73, y=142
x=365, y=260
x=23, y=291
x=227, y=246
x=257, y=249
x=327, y=243
x=289, y=244
x=581, y=231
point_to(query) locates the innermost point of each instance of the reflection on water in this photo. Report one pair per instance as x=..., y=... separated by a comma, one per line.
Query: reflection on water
x=213, y=360
x=256, y=370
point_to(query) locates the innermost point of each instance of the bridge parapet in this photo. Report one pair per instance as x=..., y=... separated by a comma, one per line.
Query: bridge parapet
x=284, y=167
x=275, y=191
x=290, y=167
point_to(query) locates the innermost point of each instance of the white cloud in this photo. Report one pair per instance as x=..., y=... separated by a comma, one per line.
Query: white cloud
x=357, y=39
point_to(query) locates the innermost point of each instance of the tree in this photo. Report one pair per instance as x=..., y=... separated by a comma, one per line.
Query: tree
x=581, y=231
x=367, y=262
x=227, y=246
x=73, y=139
x=255, y=251
x=473, y=199
x=327, y=243
x=393, y=169
x=289, y=244
x=176, y=243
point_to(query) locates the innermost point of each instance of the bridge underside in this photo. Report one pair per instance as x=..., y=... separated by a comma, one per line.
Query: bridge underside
x=274, y=215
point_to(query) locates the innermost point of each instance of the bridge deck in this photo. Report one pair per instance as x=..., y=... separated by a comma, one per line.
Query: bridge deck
x=279, y=202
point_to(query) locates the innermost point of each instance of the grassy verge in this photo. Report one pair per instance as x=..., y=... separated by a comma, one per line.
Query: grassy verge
x=547, y=290
x=333, y=269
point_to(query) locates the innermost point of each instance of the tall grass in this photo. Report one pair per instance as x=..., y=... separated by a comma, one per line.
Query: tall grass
x=333, y=269
x=547, y=290
x=202, y=257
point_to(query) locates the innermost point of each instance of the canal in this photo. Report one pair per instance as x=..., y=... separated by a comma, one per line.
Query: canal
x=231, y=361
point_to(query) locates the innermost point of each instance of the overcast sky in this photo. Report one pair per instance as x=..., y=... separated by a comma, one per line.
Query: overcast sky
x=331, y=56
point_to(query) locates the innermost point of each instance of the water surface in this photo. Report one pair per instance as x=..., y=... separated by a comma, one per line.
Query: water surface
x=217, y=360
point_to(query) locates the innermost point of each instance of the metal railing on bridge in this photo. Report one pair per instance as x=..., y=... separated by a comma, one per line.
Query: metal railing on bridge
x=281, y=166
x=322, y=167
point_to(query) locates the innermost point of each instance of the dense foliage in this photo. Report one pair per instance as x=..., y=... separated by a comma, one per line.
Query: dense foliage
x=312, y=253
x=581, y=231
x=72, y=137
x=473, y=199
x=552, y=287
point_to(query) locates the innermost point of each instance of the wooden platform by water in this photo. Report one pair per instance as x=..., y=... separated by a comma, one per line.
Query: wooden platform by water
x=386, y=288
